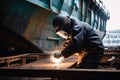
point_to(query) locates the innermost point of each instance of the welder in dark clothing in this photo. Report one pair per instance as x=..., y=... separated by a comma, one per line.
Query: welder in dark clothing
x=82, y=38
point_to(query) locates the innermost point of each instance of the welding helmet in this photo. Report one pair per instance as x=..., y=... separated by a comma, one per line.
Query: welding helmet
x=62, y=25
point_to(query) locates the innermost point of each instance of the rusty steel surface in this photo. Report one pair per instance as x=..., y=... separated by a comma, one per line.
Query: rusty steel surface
x=83, y=74
x=15, y=44
x=48, y=64
x=46, y=68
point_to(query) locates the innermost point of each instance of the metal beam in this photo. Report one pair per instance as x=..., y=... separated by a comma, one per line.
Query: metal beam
x=82, y=74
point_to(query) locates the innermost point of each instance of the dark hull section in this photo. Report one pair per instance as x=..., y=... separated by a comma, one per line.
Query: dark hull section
x=14, y=19
x=12, y=43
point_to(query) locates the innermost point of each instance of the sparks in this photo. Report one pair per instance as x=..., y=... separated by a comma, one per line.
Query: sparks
x=56, y=60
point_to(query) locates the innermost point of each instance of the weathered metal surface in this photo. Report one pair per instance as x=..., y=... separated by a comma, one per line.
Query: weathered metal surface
x=14, y=44
x=48, y=64
x=12, y=60
x=45, y=68
x=25, y=20
x=83, y=74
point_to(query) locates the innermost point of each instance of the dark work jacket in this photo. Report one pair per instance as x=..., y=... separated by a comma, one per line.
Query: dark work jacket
x=84, y=38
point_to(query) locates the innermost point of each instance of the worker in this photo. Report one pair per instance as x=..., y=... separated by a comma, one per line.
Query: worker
x=81, y=38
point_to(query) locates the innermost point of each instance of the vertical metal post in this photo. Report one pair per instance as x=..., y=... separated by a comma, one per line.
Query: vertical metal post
x=50, y=4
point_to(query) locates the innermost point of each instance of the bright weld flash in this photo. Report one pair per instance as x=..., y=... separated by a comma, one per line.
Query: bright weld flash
x=76, y=54
x=56, y=60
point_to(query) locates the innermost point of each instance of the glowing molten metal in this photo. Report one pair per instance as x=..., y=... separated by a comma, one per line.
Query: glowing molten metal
x=56, y=60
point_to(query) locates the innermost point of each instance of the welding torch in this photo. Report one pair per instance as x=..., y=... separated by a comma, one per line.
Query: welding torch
x=57, y=54
x=65, y=44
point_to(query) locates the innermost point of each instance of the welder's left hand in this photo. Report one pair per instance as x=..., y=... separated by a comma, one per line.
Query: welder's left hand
x=57, y=54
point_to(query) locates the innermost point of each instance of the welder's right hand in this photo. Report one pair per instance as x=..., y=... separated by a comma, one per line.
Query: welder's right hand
x=57, y=54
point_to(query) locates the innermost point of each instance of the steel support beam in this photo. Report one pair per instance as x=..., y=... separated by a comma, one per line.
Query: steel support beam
x=82, y=74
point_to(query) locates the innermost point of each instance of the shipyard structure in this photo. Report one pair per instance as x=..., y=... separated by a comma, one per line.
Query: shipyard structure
x=27, y=38
x=26, y=25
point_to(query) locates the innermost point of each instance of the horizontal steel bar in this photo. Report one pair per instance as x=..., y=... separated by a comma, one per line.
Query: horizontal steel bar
x=82, y=74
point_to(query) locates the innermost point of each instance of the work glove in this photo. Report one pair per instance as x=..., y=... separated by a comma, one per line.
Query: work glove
x=66, y=43
x=57, y=54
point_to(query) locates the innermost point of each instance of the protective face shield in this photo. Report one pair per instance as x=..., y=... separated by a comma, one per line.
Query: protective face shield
x=62, y=25
x=62, y=33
